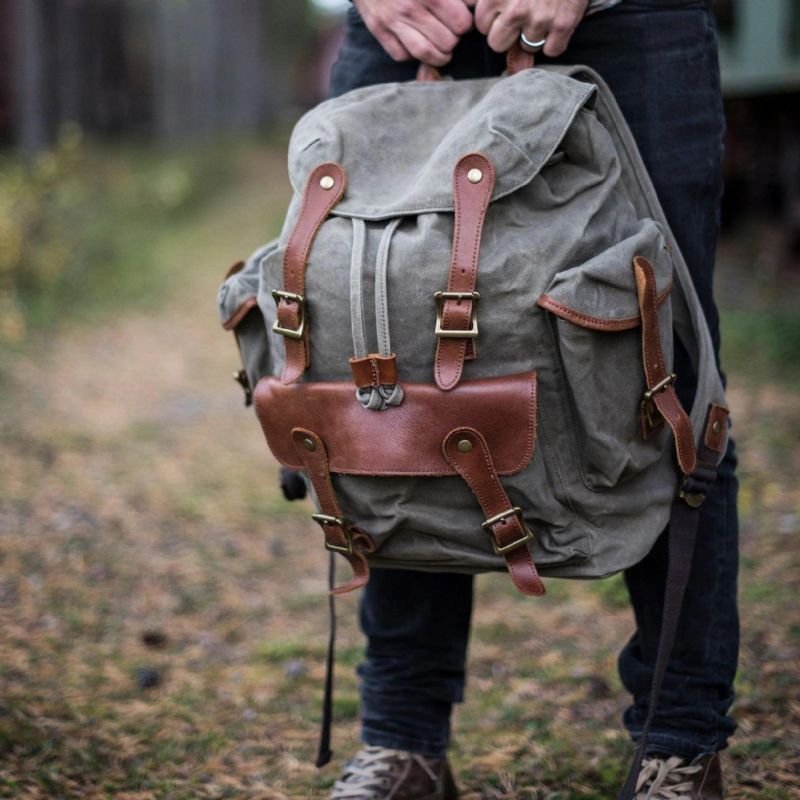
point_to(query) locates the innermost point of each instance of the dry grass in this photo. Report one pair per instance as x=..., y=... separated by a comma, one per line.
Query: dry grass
x=162, y=609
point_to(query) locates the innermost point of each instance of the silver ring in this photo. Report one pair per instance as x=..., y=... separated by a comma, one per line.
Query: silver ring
x=533, y=47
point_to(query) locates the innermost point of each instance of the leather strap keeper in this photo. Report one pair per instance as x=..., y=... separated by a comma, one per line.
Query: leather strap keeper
x=660, y=394
x=406, y=439
x=374, y=370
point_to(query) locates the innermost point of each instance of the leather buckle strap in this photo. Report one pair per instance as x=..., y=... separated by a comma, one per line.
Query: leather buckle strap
x=324, y=188
x=456, y=324
x=488, y=526
x=467, y=452
x=340, y=537
x=660, y=394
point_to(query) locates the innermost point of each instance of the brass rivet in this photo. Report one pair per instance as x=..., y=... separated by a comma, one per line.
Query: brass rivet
x=309, y=445
x=326, y=182
x=464, y=446
x=716, y=426
x=474, y=176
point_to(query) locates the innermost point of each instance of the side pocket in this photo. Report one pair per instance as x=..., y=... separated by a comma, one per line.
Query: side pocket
x=594, y=317
x=239, y=312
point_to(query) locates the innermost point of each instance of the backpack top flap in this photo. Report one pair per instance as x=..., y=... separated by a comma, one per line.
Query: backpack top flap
x=395, y=168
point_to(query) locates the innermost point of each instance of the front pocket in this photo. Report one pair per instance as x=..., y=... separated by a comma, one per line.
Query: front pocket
x=594, y=317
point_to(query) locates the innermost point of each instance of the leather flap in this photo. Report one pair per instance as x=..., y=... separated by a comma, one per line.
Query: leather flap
x=405, y=439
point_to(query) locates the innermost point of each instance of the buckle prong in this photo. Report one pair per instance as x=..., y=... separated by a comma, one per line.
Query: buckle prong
x=488, y=525
x=324, y=519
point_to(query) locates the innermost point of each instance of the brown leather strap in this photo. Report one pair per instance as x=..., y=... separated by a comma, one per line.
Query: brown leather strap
x=374, y=370
x=517, y=60
x=340, y=537
x=468, y=454
x=660, y=392
x=473, y=184
x=324, y=189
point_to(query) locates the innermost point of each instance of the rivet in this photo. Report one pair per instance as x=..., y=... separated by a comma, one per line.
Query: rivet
x=474, y=176
x=716, y=426
x=326, y=182
x=309, y=445
x=464, y=446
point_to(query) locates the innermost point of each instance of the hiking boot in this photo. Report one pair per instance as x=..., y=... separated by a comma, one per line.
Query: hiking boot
x=664, y=777
x=378, y=773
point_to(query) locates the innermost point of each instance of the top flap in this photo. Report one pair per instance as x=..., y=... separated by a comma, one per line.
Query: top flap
x=400, y=142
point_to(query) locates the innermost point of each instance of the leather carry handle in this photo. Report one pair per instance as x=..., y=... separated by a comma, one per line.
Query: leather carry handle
x=517, y=60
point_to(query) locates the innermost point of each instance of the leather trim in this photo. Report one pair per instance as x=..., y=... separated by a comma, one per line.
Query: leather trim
x=665, y=400
x=470, y=201
x=316, y=205
x=404, y=439
x=315, y=463
x=716, y=435
x=374, y=370
x=237, y=266
x=518, y=59
x=475, y=466
x=240, y=313
x=595, y=323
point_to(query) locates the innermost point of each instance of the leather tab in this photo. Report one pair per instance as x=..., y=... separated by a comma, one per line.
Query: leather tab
x=471, y=200
x=466, y=450
x=340, y=537
x=661, y=389
x=716, y=435
x=316, y=205
x=374, y=370
x=518, y=59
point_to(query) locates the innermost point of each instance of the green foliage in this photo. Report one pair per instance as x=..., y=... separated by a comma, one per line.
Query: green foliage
x=78, y=227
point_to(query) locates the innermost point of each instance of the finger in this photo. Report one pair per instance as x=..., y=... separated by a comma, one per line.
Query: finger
x=392, y=45
x=561, y=31
x=454, y=14
x=419, y=46
x=504, y=32
x=439, y=35
x=485, y=15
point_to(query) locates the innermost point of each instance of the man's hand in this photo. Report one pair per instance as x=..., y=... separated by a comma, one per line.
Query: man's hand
x=501, y=21
x=426, y=30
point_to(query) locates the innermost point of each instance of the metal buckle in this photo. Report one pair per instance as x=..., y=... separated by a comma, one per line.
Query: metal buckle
x=516, y=511
x=322, y=520
x=296, y=333
x=440, y=297
x=660, y=386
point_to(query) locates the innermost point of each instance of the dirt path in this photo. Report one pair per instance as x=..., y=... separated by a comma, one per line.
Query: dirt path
x=162, y=608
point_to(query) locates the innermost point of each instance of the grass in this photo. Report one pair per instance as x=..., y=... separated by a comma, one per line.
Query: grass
x=163, y=610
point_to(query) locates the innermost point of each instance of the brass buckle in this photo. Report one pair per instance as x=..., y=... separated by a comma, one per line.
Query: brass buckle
x=324, y=519
x=516, y=511
x=440, y=297
x=290, y=333
x=660, y=386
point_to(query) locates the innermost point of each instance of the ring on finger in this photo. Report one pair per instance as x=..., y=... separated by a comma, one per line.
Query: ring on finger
x=531, y=47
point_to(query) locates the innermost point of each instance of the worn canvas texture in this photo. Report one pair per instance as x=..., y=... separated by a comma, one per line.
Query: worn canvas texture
x=572, y=207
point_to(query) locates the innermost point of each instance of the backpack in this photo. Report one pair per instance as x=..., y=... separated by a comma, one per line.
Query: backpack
x=464, y=337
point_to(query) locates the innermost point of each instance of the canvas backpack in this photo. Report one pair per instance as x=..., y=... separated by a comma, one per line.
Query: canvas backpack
x=464, y=337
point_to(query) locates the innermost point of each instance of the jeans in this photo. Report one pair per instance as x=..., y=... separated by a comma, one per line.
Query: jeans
x=660, y=59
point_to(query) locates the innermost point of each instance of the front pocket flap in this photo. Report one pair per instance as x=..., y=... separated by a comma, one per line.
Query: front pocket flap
x=406, y=439
x=600, y=294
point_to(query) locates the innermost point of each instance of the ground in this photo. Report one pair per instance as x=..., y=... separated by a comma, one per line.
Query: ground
x=163, y=609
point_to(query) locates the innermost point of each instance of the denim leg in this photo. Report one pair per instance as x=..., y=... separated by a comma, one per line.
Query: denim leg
x=417, y=628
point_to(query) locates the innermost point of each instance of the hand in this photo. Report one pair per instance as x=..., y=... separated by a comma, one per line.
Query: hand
x=501, y=21
x=426, y=30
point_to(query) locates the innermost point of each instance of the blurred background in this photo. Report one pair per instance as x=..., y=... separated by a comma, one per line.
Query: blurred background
x=161, y=608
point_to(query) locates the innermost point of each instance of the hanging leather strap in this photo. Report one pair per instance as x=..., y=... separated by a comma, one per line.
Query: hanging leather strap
x=517, y=60
x=456, y=317
x=682, y=532
x=324, y=188
x=340, y=537
x=660, y=395
x=467, y=452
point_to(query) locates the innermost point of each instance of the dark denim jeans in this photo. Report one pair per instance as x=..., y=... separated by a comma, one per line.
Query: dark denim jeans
x=660, y=59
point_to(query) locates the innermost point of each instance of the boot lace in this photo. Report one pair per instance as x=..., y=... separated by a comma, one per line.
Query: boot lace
x=666, y=779
x=369, y=775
